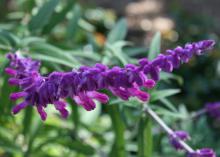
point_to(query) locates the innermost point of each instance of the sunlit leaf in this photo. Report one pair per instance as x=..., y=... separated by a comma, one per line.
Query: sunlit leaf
x=157, y=95
x=52, y=60
x=118, y=32
x=73, y=22
x=58, y=17
x=43, y=16
x=9, y=38
x=145, y=139
x=155, y=46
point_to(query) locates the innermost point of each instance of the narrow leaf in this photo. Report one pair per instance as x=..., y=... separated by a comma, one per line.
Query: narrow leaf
x=118, y=32
x=58, y=17
x=118, y=148
x=43, y=16
x=160, y=94
x=52, y=60
x=73, y=22
x=145, y=139
x=155, y=46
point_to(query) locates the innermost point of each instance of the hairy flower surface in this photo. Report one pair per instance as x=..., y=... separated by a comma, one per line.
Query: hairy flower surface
x=83, y=85
x=205, y=152
x=182, y=135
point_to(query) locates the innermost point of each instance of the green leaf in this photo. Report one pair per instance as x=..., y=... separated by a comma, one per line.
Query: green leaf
x=9, y=146
x=73, y=22
x=28, y=116
x=52, y=60
x=117, y=50
x=91, y=55
x=28, y=41
x=52, y=51
x=118, y=32
x=167, y=113
x=7, y=138
x=78, y=146
x=160, y=94
x=118, y=148
x=58, y=17
x=145, y=139
x=84, y=24
x=167, y=76
x=6, y=103
x=90, y=117
x=9, y=38
x=155, y=46
x=43, y=16
x=34, y=131
x=168, y=104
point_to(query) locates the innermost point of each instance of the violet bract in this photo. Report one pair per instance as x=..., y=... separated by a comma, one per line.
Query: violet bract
x=183, y=135
x=213, y=110
x=205, y=152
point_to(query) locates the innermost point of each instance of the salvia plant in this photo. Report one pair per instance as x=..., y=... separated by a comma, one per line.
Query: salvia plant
x=83, y=85
x=106, y=92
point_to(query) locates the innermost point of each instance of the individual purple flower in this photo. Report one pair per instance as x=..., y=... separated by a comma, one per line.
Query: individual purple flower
x=205, y=152
x=176, y=136
x=213, y=109
x=84, y=85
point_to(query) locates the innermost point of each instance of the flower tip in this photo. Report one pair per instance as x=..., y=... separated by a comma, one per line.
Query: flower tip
x=43, y=116
x=15, y=110
x=149, y=83
x=180, y=134
x=207, y=44
x=205, y=152
x=19, y=107
x=13, y=81
x=210, y=42
x=143, y=96
x=15, y=96
x=10, y=56
x=10, y=71
x=65, y=114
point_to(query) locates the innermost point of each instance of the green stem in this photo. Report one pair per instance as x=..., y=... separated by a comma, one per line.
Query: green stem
x=145, y=142
x=75, y=117
x=118, y=148
x=32, y=136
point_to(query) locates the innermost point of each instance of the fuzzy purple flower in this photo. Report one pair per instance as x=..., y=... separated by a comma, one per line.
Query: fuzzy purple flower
x=205, y=152
x=182, y=135
x=213, y=109
x=83, y=85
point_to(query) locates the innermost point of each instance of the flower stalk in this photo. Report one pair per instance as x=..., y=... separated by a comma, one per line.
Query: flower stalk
x=168, y=130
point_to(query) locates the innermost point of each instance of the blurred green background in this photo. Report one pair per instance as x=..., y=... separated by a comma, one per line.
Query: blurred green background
x=65, y=34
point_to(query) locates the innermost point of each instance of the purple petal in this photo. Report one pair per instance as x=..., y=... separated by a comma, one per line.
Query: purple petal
x=15, y=96
x=103, y=98
x=19, y=107
x=61, y=107
x=10, y=71
x=13, y=81
x=149, y=83
x=42, y=113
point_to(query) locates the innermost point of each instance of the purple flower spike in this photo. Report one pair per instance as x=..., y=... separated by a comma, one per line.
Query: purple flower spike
x=182, y=135
x=213, y=109
x=83, y=85
x=205, y=152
